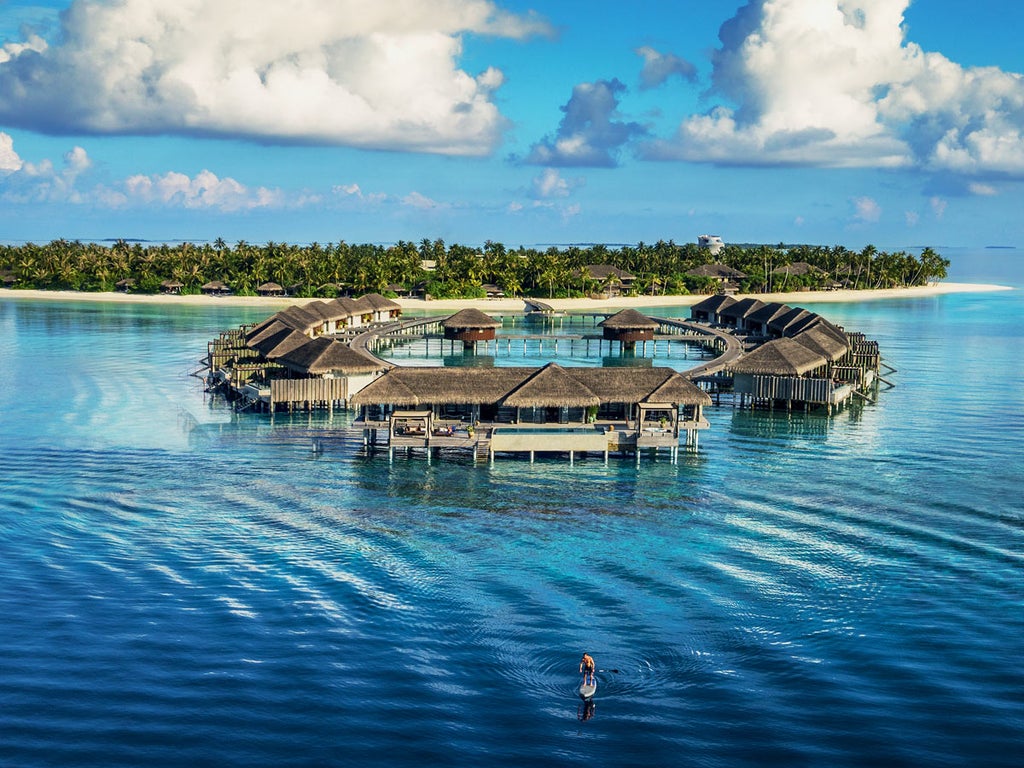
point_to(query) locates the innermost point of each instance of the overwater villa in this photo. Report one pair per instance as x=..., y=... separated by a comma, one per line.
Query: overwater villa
x=531, y=410
x=323, y=354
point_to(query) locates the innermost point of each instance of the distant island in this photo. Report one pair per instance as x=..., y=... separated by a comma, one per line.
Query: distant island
x=434, y=269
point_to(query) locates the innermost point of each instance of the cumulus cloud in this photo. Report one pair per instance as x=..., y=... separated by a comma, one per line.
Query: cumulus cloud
x=202, y=191
x=836, y=84
x=9, y=160
x=26, y=182
x=659, y=67
x=381, y=74
x=589, y=134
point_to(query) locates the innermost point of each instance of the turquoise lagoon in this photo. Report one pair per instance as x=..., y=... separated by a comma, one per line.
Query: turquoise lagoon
x=183, y=585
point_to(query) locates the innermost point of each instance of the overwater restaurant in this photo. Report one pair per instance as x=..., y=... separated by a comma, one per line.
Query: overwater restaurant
x=529, y=409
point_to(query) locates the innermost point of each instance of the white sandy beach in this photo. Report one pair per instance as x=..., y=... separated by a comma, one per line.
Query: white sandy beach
x=414, y=306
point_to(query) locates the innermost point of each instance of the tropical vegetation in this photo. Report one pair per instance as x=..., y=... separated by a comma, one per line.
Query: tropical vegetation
x=452, y=271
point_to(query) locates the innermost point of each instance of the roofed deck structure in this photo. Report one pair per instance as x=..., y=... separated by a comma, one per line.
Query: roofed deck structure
x=531, y=410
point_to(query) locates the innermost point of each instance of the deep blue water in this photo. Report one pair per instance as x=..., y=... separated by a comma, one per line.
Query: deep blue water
x=180, y=585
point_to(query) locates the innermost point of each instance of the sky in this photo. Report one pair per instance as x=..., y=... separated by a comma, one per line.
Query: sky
x=849, y=122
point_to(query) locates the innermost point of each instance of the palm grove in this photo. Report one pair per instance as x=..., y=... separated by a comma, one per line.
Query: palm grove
x=452, y=271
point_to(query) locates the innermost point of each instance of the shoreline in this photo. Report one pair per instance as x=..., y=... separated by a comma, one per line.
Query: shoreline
x=512, y=305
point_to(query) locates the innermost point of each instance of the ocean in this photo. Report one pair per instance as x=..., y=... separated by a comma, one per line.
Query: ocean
x=184, y=585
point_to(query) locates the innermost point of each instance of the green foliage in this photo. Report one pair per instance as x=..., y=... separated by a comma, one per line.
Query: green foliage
x=458, y=271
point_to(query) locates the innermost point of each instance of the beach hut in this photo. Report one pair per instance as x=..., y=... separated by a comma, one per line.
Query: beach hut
x=215, y=288
x=628, y=327
x=124, y=285
x=270, y=289
x=470, y=326
x=171, y=287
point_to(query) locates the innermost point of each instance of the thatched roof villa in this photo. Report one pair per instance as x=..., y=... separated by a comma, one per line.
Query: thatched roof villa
x=628, y=327
x=567, y=409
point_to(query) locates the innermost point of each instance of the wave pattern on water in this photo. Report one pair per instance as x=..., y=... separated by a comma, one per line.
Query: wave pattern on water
x=219, y=590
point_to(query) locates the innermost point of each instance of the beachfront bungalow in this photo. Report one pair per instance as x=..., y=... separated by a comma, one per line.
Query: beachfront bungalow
x=706, y=311
x=215, y=288
x=628, y=327
x=171, y=287
x=269, y=289
x=726, y=277
x=613, y=281
x=548, y=409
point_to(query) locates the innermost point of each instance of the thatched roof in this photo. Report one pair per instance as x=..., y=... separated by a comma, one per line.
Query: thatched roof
x=470, y=318
x=323, y=355
x=712, y=304
x=720, y=271
x=781, y=357
x=629, y=320
x=299, y=318
x=261, y=326
x=678, y=389
x=605, y=271
x=279, y=344
x=458, y=386
x=269, y=288
x=172, y=284
x=322, y=309
x=215, y=285
x=379, y=302
x=742, y=308
x=637, y=385
x=797, y=269
x=782, y=322
x=769, y=312
x=551, y=386
x=818, y=339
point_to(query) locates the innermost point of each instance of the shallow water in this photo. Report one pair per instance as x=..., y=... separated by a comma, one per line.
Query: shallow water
x=186, y=586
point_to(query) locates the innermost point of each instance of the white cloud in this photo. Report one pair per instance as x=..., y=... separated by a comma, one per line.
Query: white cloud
x=867, y=209
x=368, y=73
x=424, y=203
x=985, y=190
x=835, y=84
x=550, y=183
x=9, y=160
x=912, y=218
x=25, y=182
x=938, y=206
x=204, y=190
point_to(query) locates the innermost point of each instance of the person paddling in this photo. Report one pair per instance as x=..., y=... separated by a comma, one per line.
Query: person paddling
x=587, y=669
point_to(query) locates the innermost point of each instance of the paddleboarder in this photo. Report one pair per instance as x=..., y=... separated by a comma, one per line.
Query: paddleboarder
x=587, y=669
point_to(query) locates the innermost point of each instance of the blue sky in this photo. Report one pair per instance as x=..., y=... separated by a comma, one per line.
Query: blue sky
x=556, y=121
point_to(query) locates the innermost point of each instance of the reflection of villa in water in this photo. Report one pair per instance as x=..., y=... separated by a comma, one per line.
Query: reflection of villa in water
x=326, y=355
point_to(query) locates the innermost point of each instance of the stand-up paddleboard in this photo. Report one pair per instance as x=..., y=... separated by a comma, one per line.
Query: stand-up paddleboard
x=587, y=690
